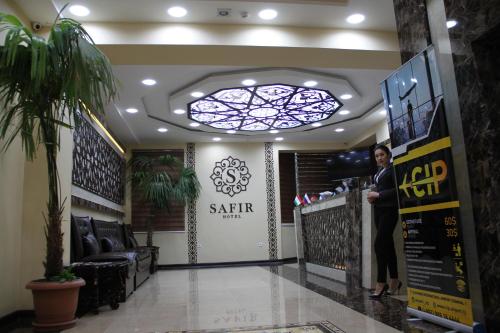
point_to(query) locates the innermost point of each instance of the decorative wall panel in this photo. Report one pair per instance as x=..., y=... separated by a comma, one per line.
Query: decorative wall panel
x=95, y=206
x=271, y=201
x=191, y=211
x=97, y=167
x=326, y=237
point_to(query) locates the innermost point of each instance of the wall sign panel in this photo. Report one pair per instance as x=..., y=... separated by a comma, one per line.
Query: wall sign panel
x=438, y=285
x=241, y=227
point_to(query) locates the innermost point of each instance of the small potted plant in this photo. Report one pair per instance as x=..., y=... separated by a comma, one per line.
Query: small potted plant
x=44, y=83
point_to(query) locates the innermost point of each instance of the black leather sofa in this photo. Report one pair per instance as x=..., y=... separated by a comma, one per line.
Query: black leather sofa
x=102, y=241
x=113, y=238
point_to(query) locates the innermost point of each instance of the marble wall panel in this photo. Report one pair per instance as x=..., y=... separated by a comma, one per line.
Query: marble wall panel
x=476, y=60
x=413, y=28
x=475, y=46
x=325, y=237
x=332, y=238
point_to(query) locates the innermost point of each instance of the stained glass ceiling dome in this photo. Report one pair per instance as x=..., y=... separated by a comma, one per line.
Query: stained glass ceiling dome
x=263, y=107
x=277, y=99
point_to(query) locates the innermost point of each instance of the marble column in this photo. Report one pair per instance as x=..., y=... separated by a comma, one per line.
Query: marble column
x=475, y=46
x=473, y=82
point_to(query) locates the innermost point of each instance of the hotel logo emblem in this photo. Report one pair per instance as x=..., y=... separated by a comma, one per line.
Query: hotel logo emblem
x=230, y=176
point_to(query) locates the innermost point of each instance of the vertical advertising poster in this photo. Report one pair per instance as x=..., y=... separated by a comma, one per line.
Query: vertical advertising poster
x=428, y=204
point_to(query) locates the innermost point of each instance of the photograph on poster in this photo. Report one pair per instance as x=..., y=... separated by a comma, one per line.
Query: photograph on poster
x=411, y=95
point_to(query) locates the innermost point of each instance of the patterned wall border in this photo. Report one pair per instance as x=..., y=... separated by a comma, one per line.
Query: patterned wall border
x=271, y=201
x=191, y=211
x=77, y=201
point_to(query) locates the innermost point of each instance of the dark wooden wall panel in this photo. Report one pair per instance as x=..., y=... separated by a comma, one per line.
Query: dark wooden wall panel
x=313, y=173
x=287, y=186
x=166, y=220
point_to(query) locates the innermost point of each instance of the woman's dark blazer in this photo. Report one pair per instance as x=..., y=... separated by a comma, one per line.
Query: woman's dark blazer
x=386, y=187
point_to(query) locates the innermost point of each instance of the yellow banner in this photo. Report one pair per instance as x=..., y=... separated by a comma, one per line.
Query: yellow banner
x=424, y=150
x=426, y=208
x=449, y=307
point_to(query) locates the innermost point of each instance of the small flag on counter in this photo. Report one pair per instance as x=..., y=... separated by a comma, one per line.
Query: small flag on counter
x=298, y=200
x=306, y=199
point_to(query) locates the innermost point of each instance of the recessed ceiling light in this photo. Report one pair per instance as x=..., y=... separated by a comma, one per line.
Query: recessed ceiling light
x=279, y=138
x=268, y=14
x=216, y=139
x=310, y=83
x=179, y=111
x=344, y=112
x=149, y=82
x=383, y=112
x=274, y=131
x=79, y=10
x=346, y=96
x=132, y=110
x=338, y=130
x=451, y=23
x=197, y=94
x=248, y=82
x=162, y=129
x=194, y=124
x=231, y=132
x=177, y=11
x=355, y=18
x=316, y=124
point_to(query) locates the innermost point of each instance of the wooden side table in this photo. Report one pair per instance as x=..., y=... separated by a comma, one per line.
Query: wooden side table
x=105, y=284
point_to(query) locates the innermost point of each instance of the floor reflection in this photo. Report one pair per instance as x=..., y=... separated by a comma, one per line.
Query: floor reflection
x=388, y=310
x=243, y=297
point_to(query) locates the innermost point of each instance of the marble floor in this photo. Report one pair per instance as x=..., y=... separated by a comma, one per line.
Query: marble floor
x=217, y=298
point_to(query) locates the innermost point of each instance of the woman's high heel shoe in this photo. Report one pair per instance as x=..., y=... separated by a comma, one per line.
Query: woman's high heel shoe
x=396, y=290
x=379, y=295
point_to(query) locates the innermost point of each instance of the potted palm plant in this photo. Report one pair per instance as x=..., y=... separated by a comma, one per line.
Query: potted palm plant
x=44, y=83
x=161, y=180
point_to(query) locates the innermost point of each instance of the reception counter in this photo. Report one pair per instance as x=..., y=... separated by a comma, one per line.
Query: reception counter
x=335, y=238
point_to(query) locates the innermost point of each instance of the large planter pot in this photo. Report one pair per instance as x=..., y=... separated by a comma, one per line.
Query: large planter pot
x=55, y=304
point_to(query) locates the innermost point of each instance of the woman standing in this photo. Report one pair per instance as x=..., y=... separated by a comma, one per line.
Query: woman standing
x=385, y=203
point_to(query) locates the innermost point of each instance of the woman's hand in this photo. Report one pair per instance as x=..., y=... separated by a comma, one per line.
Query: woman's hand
x=372, y=196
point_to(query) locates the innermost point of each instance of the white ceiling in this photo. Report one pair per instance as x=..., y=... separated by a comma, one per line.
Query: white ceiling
x=154, y=109
x=379, y=13
x=153, y=102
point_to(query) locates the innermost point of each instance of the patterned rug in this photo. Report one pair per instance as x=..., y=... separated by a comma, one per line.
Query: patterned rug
x=312, y=327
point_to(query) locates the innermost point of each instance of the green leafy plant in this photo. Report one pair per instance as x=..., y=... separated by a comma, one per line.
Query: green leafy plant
x=65, y=275
x=44, y=83
x=161, y=180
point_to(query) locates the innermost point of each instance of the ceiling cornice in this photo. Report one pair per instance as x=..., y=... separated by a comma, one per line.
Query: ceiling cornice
x=302, y=2
x=250, y=56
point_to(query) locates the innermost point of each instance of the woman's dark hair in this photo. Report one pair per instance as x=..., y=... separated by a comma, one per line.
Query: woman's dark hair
x=384, y=148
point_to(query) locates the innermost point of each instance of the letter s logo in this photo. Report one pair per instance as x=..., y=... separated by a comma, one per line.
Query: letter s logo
x=231, y=176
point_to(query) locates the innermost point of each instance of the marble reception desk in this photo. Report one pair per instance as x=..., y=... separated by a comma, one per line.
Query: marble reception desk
x=330, y=239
